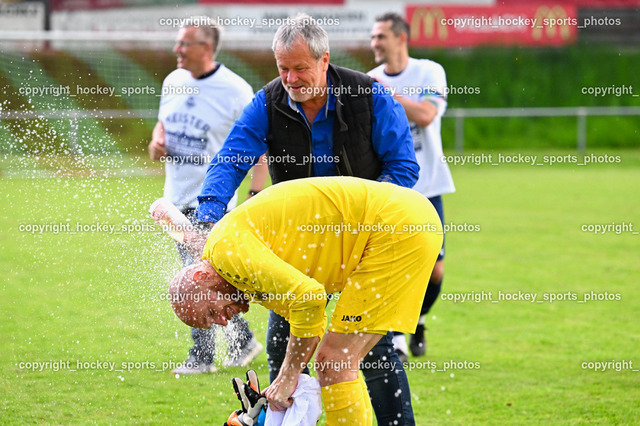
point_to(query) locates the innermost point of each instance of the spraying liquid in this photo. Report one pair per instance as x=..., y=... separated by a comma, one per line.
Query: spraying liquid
x=172, y=221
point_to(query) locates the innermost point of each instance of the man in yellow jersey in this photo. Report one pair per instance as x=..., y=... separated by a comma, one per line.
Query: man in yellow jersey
x=296, y=242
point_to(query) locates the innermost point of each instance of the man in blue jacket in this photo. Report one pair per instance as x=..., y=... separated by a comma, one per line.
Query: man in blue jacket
x=318, y=119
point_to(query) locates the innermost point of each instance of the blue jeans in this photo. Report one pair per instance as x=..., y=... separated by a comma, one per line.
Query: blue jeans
x=383, y=372
x=237, y=333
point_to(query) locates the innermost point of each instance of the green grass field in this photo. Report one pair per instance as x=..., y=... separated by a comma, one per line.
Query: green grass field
x=87, y=332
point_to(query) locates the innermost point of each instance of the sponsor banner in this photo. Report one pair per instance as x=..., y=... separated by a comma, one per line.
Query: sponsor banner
x=352, y=22
x=22, y=15
x=538, y=24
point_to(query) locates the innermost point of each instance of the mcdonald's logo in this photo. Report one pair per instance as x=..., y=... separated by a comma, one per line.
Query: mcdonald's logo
x=553, y=20
x=431, y=20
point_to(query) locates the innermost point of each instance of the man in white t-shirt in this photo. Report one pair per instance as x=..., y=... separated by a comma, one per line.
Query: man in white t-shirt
x=420, y=86
x=199, y=104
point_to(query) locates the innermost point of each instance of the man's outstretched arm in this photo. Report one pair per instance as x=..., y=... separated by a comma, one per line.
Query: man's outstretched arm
x=242, y=149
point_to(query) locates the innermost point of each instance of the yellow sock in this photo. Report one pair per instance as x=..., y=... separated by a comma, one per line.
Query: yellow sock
x=347, y=403
x=367, y=399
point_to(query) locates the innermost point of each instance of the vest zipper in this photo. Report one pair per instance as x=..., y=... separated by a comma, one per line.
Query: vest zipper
x=308, y=134
x=346, y=162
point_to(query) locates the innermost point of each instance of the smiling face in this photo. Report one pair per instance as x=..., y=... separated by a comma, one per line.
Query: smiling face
x=192, y=51
x=200, y=297
x=384, y=43
x=303, y=76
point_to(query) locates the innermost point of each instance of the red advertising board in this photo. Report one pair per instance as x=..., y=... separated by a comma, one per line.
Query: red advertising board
x=538, y=24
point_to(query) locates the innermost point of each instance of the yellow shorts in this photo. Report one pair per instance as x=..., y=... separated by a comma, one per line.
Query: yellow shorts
x=386, y=290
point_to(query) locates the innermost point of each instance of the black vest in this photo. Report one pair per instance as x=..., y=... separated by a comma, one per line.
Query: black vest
x=289, y=138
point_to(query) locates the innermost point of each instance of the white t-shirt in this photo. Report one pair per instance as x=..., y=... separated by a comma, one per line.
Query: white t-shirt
x=422, y=80
x=197, y=115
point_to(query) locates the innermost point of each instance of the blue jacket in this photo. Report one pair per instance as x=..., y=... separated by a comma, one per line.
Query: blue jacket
x=246, y=142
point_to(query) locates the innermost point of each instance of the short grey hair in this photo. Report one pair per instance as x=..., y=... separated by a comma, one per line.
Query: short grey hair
x=206, y=29
x=305, y=27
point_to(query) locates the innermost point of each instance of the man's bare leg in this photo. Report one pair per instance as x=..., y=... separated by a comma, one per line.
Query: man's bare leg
x=344, y=392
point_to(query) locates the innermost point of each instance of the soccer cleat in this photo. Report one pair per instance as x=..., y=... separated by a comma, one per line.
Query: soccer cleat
x=193, y=366
x=403, y=356
x=418, y=343
x=247, y=354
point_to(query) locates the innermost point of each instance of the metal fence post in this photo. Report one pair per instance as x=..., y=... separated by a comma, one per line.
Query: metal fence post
x=459, y=132
x=581, y=130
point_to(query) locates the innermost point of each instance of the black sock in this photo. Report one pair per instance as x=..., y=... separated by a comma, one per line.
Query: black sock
x=430, y=297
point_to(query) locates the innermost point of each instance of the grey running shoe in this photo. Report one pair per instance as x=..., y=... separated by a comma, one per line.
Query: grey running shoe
x=403, y=357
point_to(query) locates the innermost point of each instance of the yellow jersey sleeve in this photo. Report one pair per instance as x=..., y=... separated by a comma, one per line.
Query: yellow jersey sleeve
x=245, y=261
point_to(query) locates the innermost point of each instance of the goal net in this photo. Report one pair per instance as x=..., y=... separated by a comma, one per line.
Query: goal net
x=98, y=93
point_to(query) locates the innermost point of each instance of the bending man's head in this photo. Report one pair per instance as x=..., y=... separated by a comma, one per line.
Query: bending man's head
x=200, y=297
